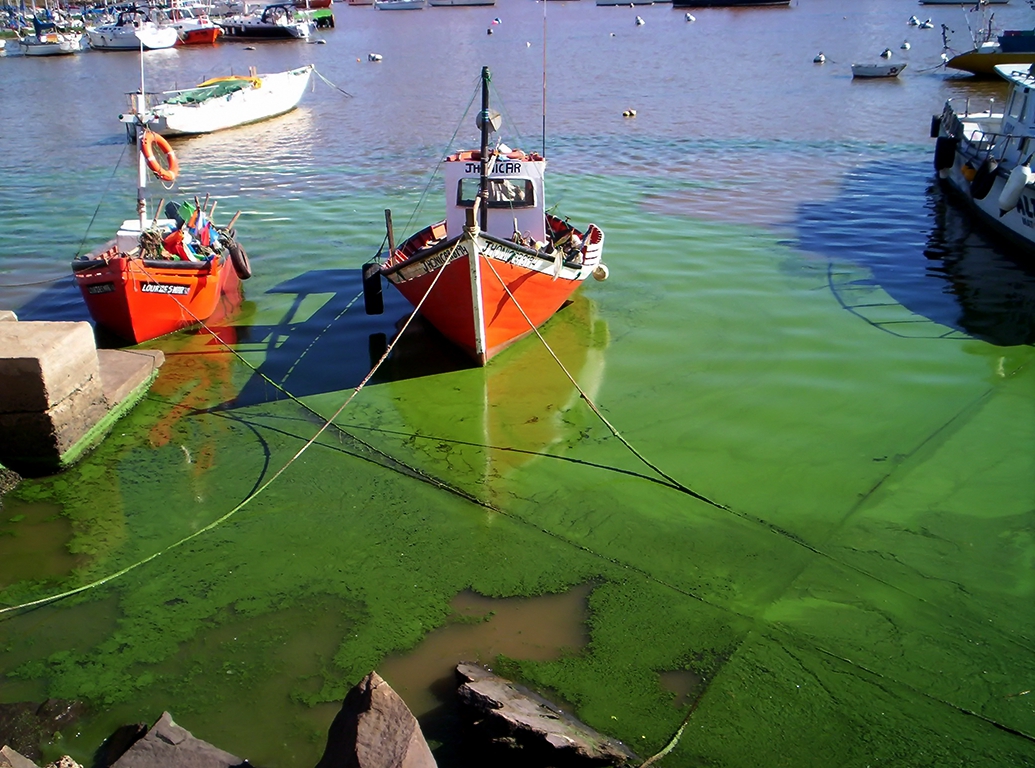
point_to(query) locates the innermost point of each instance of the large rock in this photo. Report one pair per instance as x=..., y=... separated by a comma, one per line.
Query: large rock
x=515, y=718
x=10, y=758
x=167, y=745
x=375, y=729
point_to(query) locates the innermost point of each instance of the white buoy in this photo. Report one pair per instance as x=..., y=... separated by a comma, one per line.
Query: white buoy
x=374, y=57
x=886, y=53
x=629, y=113
x=691, y=17
x=528, y=45
x=600, y=272
x=905, y=45
x=820, y=58
x=913, y=21
x=927, y=25
x=639, y=21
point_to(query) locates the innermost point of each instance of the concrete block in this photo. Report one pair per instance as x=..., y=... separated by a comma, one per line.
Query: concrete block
x=6, y=314
x=123, y=371
x=43, y=363
x=41, y=438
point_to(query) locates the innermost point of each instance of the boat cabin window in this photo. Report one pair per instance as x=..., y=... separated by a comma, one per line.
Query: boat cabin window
x=503, y=193
x=1017, y=104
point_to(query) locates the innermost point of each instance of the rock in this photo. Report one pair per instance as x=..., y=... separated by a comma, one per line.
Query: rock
x=64, y=762
x=375, y=729
x=167, y=745
x=25, y=725
x=513, y=717
x=9, y=758
x=8, y=480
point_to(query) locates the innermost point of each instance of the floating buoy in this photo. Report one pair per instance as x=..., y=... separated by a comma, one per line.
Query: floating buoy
x=691, y=17
x=913, y=21
x=612, y=34
x=944, y=153
x=629, y=113
x=249, y=48
x=528, y=45
x=1019, y=178
x=639, y=21
x=984, y=179
x=373, y=299
x=600, y=272
x=374, y=57
x=886, y=53
x=820, y=58
x=927, y=24
x=488, y=31
x=497, y=20
x=905, y=45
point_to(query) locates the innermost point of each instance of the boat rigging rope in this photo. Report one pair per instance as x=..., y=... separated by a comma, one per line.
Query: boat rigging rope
x=262, y=488
x=319, y=74
x=101, y=201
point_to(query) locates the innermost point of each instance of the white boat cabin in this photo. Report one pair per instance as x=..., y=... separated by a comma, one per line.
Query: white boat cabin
x=516, y=193
x=1019, y=115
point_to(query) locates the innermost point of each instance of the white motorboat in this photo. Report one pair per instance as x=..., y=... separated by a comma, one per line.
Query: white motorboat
x=224, y=102
x=984, y=155
x=52, y=44
x=132, y=30
x=398, y=5
x=275, y=22
x=877, y=70
x=450, y=3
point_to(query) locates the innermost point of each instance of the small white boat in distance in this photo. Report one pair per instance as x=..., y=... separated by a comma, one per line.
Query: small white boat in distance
x=225, y=102
x=877, y=70
x=132, y=29
x=450, y=3
x=52, y=44
x=275, y=22
x=399, y=5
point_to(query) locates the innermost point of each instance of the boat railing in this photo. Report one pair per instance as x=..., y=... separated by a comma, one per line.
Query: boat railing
x=967, y=106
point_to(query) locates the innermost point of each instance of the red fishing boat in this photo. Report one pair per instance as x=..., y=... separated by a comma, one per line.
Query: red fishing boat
x=160, y=274
x=499, y=265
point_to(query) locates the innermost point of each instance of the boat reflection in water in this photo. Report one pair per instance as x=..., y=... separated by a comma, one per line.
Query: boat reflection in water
x=937, y=265
x=993, y=285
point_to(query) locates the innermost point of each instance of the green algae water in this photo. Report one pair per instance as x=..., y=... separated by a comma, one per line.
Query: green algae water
x=831, y=367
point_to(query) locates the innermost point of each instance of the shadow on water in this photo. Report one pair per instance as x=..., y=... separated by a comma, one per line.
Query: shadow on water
x=923, y=250
x=333, y=347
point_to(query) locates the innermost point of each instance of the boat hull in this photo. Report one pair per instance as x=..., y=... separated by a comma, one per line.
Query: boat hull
x=142, y=299
x=536, y=287
x=877, y=70
x=60, y=46
x=278, y=94
x=730, y=3
x=130, y=39
x=1016, y=225
x=984, y=64
x=200, y=36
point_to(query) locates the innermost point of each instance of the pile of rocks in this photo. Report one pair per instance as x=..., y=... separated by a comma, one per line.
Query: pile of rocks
x=374, y=729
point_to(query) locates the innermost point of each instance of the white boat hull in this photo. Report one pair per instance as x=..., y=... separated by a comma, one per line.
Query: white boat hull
x=399, y=5
x=127, y=38
x=64, y=45
x=877, y=70
x=450, y=3
x=279, y=93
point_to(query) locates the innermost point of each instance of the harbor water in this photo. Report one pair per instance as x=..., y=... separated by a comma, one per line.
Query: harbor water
x=831, y=366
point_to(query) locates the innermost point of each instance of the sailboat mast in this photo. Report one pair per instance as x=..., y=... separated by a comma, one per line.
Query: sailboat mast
x=483, y=181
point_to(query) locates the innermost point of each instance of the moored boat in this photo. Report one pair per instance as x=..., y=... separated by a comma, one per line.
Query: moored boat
x=498, y=266
x=193, y=29
x=399, y=5
x=1014, y=46
x=984, y=155
x=729, y=3
x=51, y=44
x=132, y=30
x=274, y=22
x=225, y=102
x=877, y=70
x=160, y=275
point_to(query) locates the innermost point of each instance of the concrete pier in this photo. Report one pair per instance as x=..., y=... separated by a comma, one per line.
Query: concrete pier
x=59, y=394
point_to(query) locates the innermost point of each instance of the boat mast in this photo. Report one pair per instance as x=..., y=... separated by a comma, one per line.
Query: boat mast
x=141, y=105
x=483, y=181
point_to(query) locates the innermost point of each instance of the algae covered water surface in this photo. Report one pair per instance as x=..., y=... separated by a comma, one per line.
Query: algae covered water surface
x=832, y=372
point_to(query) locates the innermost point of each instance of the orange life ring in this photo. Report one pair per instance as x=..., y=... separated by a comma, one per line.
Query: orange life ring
x=171, y=169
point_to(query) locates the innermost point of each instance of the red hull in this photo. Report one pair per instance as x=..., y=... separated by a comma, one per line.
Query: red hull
x=140, y=299
x=450, y=306
x=207, y=36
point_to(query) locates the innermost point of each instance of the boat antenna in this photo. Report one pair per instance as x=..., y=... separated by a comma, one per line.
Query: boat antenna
x=483, y=181
x=544, y=77
x=141, y=105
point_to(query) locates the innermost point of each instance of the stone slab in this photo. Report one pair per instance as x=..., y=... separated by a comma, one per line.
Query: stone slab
x=168, y=745
x=40, y=438
x=6, y=314
x=43, y=363
x=123, y=371
x=9, y=758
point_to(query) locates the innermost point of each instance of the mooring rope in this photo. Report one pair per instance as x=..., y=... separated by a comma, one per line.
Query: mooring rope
x=319, y=74
x=219, y=521
x=101, y=201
